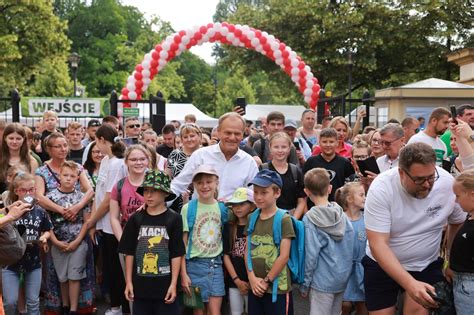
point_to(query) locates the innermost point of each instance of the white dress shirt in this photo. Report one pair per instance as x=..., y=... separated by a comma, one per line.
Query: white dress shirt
x=234, y=173
x=384, y=163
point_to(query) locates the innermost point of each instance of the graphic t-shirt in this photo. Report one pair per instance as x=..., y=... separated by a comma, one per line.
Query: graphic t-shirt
x=64, y=230
x=35, y=222
x=462, y=251
x=264, y=252
x=207, y=230
x=153, y=240
x=234, y=246
x=436, y=143
x=129, y=201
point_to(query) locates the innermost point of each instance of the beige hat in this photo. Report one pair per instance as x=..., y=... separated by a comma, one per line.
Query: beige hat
x=205, y=169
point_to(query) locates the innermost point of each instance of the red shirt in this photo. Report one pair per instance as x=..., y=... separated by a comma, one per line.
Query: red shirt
x=345, y=151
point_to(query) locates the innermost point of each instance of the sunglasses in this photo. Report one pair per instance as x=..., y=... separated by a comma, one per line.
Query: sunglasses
x=134, y=126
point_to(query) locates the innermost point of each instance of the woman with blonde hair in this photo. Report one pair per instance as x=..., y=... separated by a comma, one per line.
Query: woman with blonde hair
x=343, y=129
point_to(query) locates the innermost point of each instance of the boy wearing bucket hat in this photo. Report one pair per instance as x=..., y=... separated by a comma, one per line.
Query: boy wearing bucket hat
x=235, y=242
x=152, y=241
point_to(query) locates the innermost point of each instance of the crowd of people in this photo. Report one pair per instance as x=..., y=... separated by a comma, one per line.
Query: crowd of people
x=136, y=217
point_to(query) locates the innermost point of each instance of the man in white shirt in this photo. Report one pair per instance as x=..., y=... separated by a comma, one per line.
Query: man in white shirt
x=235, y=167
x=437, y=125
x=405, y=213
x=392, y=140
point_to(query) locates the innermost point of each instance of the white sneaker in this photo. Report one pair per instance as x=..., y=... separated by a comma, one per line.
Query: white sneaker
x=113, y=311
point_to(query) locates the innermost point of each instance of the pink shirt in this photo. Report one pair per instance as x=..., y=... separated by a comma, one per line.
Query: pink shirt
x=130, y=200
x=346, y=151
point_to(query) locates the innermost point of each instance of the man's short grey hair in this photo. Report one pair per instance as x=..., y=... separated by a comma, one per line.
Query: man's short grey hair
x=408, y=121
x=418, y=152
x=395, y=129
x=231, y=115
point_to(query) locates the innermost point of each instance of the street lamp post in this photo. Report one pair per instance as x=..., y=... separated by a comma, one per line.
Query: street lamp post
x=74, y=59
x=350, y=63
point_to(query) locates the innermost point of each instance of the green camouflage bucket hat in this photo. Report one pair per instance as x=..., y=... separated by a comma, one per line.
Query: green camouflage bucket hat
x=158, y=180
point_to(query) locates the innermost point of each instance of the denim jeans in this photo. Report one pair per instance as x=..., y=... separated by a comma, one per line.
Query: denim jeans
x=11, y=285
x=463, y=290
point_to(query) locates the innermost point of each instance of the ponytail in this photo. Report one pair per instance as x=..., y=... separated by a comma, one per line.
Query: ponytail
x=343, y=193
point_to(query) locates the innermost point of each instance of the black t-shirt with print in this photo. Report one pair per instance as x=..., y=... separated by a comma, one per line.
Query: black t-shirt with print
x=341, y=166
x=236, y=251
x=35, y=221
x=164, y=150
x=292, y=188
x=462, y=250
x=76, y=155
x=153, y=240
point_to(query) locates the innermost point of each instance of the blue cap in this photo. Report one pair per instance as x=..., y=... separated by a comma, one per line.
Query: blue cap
x=266, y=177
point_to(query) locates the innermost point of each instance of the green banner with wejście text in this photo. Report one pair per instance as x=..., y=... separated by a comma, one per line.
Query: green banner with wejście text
x=65, y=107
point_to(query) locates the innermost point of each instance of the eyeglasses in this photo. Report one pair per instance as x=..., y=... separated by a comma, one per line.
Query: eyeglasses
x=375, y=141
x=96, y=152
x=94, y=124
x=140, y=160
x=360, y=157
x=134, y=126
x=422, y=180
x=58, y=146
x=388, y=143
x=25, y=191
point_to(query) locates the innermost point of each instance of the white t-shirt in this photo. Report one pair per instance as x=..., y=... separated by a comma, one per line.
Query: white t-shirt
x=436, y=143
x=415, y=225
x=110, y=172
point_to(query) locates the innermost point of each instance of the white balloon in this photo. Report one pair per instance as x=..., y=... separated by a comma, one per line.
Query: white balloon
x=245, y=28
x=255, y=42
x=277, y=53
x=147, y=57
x=145, y=73
x=308, y=92
x=224, y=31
x=309, y=84
x=295, y=71
x=181, y=47
x=251, y=35
x=185, y=39
x=264, y=34
x=204, y=39
x=211, y=33
x=146, y=81
x=309, y=76
x=238, y=26
x=131, y=86
x=160, y=67
x=292, y=54
x=271, y=38
x=162, y=62
x=275, y=47
x=307, y=99
x=132, y=95
x=230, y=37
x=146, y=64
x=166, y=46
x=279, y=61
x=236, y=42
x=295, y=78
x=294, y=62
x=163, y=54
x=259, y=48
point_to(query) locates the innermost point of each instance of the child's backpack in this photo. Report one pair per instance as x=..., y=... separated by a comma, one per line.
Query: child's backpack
x=296, y=261
x=191, y=218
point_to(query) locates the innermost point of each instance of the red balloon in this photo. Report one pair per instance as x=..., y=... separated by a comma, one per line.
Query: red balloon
x=225, y=24
x=247, y=43
x=203, y=29
x=282, y=47
x=316, y=88
x=155, y=55
x=267, y=47
x=139, y=85
x=127, y=105
x=313, y=105
x=269, y=54
x=263, y=40
x=158, y=48
x=173, y=47
x=138, y=91
x=153, y=63
x=210, y=25
x=139, y=97
x=285, y=54
x=302, y=82
x=258, y=34
x=153, y=72
x=302, y=73
x=139, y=68
x=171, y=55
x=197, y=36
x=125, y=92
x=177, y=39
x=138, y=75
x=301, y=66
x=182, y=33
x=287, y=63
x=288, y=69
x=231, y=28
x=238, y=32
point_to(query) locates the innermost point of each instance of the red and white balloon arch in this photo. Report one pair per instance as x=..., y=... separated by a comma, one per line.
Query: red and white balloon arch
x=225, y=33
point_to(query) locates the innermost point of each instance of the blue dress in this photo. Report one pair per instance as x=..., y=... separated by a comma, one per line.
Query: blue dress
x=355, y=286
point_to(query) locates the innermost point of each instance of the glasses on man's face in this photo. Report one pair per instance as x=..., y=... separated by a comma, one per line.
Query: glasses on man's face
x=388, y=143
x=421, y=180
x=138, y=160
x=30, y=191
x=134, y=126
x=59, y=146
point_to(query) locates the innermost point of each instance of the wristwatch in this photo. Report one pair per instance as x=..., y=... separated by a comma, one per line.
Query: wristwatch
x=267, y=280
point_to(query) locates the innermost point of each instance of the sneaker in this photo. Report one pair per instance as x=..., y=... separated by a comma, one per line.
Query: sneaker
x=111, y=311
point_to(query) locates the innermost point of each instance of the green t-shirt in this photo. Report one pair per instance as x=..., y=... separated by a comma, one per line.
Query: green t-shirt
x=264, y=252
x=207, y=230
x=446, y=138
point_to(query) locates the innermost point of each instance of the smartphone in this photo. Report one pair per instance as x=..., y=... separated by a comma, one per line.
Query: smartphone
x=242, y=103
x=31, y=200
x=297, y=145
x=454, y=114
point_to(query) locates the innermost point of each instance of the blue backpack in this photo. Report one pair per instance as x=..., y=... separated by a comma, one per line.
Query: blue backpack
x=191, y=218
x=296, y=261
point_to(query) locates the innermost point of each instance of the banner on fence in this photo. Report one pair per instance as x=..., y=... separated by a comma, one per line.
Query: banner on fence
x=65, y=107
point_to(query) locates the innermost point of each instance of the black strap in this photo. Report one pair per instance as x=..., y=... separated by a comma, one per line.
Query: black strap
x=52, y=173
x=262, y=149
x=293, y=169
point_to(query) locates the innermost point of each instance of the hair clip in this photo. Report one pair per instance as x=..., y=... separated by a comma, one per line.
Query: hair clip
x=117, y=139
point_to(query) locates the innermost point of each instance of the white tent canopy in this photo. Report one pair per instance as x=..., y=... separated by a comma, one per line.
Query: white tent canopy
x=255, y=111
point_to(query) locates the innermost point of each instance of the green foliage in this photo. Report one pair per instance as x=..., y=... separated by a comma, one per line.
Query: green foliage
x=52, y=80
x=236, y=85
x=30, y=35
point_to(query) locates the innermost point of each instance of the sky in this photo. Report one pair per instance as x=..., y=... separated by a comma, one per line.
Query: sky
x=182, y=14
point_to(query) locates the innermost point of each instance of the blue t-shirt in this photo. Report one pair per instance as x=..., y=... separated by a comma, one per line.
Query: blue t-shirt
x=64, y=230
x=35, y=221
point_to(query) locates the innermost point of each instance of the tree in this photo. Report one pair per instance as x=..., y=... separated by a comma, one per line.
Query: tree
x=234, y=86
x=389, y=42
x=52, y=79
x=30, y=36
